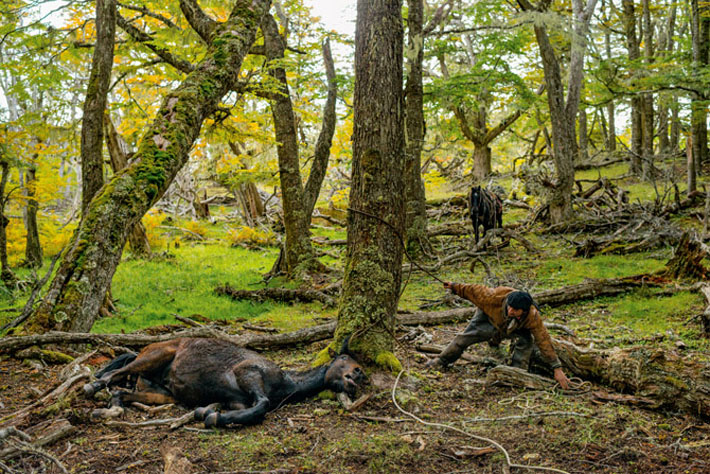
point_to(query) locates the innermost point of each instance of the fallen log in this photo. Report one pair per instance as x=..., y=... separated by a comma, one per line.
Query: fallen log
x=591, y=289
x=672, y=381
x=284, y=295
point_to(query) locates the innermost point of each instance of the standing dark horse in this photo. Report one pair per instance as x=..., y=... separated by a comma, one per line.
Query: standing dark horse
x=199, y=372
x=486, y=209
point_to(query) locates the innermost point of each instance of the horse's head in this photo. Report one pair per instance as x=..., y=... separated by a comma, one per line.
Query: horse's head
x=476, y=198
x=344, y=373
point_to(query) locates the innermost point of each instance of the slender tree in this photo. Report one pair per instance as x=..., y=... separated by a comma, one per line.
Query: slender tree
x=92, y=177
x=700, y=33
x=647, y=112
x=78, y=288
x=632, y=43
x=373, y=268
x=563, y=112
x=298, y=201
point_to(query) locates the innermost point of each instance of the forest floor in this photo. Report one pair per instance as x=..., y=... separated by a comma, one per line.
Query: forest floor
x=318, y=436
x=587, y=433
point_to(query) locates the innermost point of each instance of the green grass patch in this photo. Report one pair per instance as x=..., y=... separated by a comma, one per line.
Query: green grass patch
x=150, y=291
x=564, y=270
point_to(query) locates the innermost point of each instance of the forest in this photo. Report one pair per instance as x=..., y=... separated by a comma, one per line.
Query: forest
x=235, y=238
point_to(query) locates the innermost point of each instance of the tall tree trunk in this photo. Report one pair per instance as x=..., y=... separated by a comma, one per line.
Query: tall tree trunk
x=33, y=249
x=564, y=112
x=701, y=45
x=610, y=110
x=647, y=114
x=665, y=46
x=88, y=264
x=481, y=162
x=299, y=259
x=583, y=135
x=137, y=238
x=636, y=101
x=373, y=267
x=321, y=154
x=6, y=275
x=96, y=90
x=414, y=193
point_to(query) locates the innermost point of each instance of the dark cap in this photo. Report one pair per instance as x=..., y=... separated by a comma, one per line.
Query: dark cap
x=520, y=300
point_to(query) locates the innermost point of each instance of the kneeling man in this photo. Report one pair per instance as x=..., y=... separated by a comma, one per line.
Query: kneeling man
x=502, y=313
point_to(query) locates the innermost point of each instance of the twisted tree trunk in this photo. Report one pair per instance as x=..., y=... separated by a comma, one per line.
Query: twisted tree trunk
x=88, y=264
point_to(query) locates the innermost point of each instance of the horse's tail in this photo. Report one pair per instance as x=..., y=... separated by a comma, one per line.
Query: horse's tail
x=117, y=363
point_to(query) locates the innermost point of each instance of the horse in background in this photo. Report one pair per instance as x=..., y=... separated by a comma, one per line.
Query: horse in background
x=486, y=210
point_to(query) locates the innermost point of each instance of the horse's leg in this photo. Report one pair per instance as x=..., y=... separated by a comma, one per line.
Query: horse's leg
x=475, y=226
x=147, y=392
x=150, y=360
x=252, y=384
x=249, y=416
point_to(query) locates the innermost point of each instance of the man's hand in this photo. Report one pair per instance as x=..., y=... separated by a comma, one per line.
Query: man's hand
x=448, y=285
x=561, y=378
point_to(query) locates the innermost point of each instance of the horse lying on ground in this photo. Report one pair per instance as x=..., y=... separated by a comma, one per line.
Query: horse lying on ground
x=486, y=210
x=198, y=372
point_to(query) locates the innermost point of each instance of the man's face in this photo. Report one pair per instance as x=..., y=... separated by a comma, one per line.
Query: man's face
x=515, y=313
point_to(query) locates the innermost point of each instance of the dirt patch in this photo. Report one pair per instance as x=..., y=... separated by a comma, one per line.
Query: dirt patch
x=318, y=436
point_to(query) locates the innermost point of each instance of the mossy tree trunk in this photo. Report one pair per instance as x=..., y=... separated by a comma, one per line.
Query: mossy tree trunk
x=89, y=262
x=632, y=43
x=137, y=238
x=376, y=220
x=33, y=249
x=700, y=23
x=92, y=175
x=299, y=258
x=6, y=275
x=414, y=194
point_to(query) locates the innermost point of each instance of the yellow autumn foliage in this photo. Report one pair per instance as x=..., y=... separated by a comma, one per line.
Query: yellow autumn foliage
x=250, y=236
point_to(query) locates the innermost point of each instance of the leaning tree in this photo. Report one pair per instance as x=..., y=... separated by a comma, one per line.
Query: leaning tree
x=373, y=268
x=90, y=260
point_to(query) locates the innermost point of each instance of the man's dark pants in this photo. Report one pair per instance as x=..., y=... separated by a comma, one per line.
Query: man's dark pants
x=480, y=329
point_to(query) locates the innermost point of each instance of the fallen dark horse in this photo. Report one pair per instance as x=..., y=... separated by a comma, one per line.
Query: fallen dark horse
x=199, y=372
x=486, y=210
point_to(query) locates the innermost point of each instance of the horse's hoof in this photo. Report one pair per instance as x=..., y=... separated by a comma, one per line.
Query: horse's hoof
x=211, y=421
x=90, y=389
x=202, y=413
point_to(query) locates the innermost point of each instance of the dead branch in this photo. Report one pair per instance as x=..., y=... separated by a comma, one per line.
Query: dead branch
x=58, y=430
x=64, y=387
x=516, y=377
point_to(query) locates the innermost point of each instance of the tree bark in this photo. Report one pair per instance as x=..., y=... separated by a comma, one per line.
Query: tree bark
x=632, y=44
x=373, y=268
x=701, y=45
x=414, y=193
x=610, y=110
x=77, y=291
x=33, y=249
x=137, y=238
x=647, y=114
x=6, y=275
x=92, y=122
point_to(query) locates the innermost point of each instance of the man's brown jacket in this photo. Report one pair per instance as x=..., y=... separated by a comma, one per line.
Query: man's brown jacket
x=492, y=301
